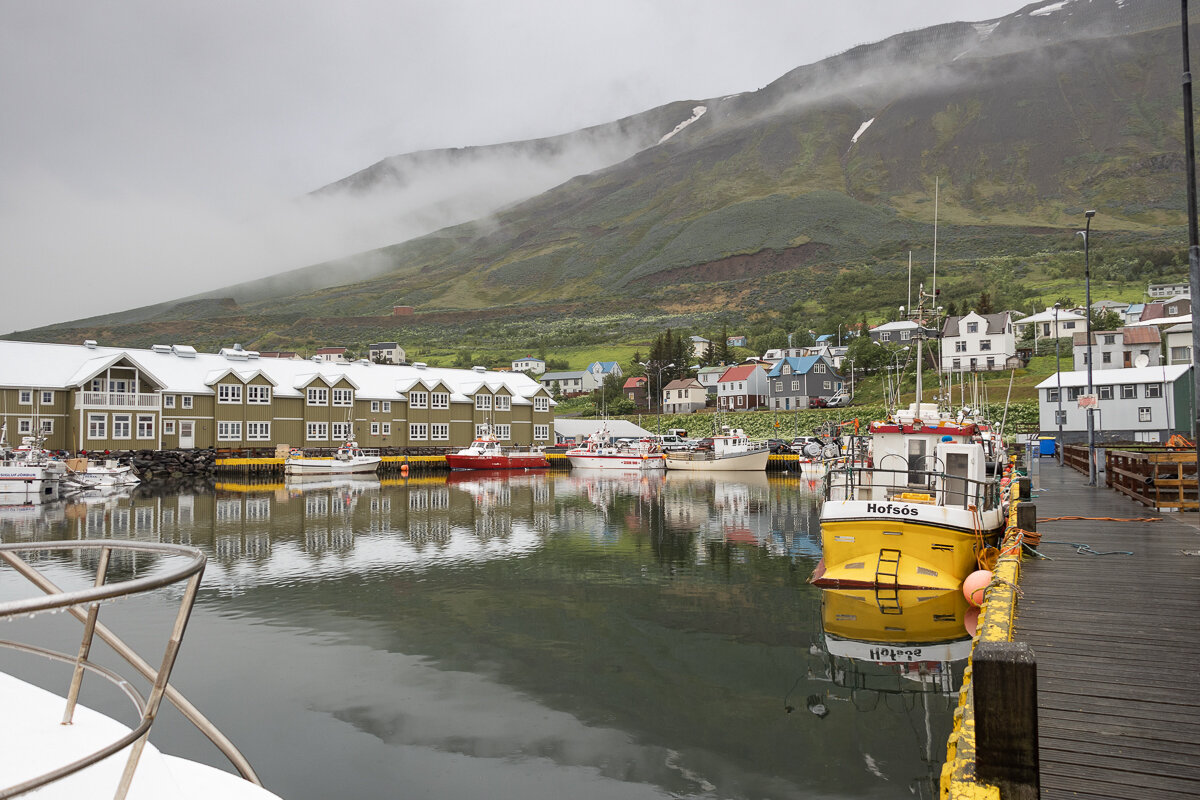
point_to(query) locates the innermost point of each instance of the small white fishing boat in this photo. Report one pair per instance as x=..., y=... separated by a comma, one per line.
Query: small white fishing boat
x=349, y=458
x=732, y=450
x=29, y=474
x=102, y=474
x=599, y=453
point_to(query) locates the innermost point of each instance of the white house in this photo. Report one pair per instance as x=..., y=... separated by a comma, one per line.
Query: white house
x=683, y=396
x=1120, y=348
x=331, y=355
x=1052, y=323
x=569, y=383
x=1144, y=404
x=1161, y=290
x=700, y=346
x=709, y=376
x=530, y=365
x=1179, y=343
x=386, y=353
x=978, y=342
x=602, y=369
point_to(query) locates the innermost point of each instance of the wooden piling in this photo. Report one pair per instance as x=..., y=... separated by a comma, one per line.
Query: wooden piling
x=1006, y=718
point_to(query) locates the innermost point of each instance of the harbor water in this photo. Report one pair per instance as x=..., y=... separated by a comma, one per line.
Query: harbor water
x=527, y=635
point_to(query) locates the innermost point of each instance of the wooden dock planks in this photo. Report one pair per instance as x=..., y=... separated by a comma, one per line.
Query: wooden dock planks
x=1117, y=643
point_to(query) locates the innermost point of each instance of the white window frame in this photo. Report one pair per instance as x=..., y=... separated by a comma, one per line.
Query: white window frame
x=1154, y=390
x=418, y=399
x=47, y=397
x=1060, y=417
x=168, y=401
x=317, y=396
x=541, y=404
x=258, y=395
x=1145, y=414
x=503, y=402
x=386, y=406
x=229, y=430
x=145, y=426
x=1129, y=391
x=418, y=431
x=972, y=327
x=439, y=431
x=340, y=431
x=186, y=401
x=386, y=429
x=229, y=393
x=343, y=398
x=168, y=427
x=316, y=432
x=374, y=406
x=503, y=432
x=25, y=397
x=122, y=426
x=47, y=426
x=541, y=433
x=1104, y=392
x=481, y=429
x=24, y=426
x=439, y=400
x=483, y=402
x=375, y=428
x=97, y=426
x=985, y=344
x=258, y=431
x=1052, y=395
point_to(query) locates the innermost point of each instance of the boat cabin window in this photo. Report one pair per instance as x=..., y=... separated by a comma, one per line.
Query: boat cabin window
x=916, y=461
x=956, y=480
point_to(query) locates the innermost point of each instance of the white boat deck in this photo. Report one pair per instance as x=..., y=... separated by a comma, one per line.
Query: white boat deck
x=33, y=742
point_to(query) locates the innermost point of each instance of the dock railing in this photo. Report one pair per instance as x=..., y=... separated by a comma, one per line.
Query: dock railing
x=1160, y=478
x=186, y=567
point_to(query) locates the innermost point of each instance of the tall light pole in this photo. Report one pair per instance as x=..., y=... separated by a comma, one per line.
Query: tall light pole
x=1087, y=284
x=1058, y=370
x=661, y=367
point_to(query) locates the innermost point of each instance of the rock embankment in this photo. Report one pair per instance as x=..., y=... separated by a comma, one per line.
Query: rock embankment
x=161, y=466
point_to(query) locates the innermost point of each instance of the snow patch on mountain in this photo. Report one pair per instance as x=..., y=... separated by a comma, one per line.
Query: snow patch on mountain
x=697, y=113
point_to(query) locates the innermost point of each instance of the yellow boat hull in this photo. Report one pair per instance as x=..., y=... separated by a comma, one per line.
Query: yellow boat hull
x=898, y=553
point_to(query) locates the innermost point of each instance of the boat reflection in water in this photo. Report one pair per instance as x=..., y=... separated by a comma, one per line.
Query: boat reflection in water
x=902, y=651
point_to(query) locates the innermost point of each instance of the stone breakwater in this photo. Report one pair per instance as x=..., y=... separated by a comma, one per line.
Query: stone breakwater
x=161, y=466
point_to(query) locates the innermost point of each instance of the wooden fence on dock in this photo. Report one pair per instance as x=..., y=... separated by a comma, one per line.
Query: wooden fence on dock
x=1158, y=477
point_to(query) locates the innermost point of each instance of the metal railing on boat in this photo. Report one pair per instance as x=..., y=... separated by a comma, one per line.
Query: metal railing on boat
x=84, y=605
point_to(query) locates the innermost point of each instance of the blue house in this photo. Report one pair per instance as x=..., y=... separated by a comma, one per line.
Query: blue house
x=793, y=382
x=602, y=369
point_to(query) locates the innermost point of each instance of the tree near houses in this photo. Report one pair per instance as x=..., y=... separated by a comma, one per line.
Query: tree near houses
x=984, y=306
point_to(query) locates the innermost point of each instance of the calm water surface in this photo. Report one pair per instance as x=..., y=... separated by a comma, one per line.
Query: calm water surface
x=526, y=636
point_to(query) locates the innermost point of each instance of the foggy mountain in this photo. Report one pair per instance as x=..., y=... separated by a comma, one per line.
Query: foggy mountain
x=1024, y=121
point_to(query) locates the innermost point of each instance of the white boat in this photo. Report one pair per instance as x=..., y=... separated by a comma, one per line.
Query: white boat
x=349, y=458
x=29, y=474
x=598, y=453
x=54, y=746
x=732, y=450
x=102, y=474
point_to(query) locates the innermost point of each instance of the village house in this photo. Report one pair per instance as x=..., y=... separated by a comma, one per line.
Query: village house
x=386, y=353
x=1120, y=348
x=683, y=396
x=1053, y=323
x=635, y=391
x=529, y=364
x=709, y=376
x=794, y=382
x=735, y=341
x=1142, y=404
x=602, y=369
x=978, y=342
x=172, y=397
x=1179, y=343
x=700, y=346
x=899, y=332
x=332, y=355
x=1163, y=290
x=569, y=384
x=742, y=388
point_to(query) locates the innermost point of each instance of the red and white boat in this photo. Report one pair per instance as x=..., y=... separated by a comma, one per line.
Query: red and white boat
x=486, y=452
x=598, y=453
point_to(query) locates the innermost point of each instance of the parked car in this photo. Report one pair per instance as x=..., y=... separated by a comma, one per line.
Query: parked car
x=818, y=402
x=778, y=446
x=672, y=441
x=705, y=444
x=840, y=400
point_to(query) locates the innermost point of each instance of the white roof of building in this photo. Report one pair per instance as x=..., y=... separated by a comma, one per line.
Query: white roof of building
x=1181, y=319
x=617, y=428
x=41, y=365
x=1048, y=316
x=1105, y=377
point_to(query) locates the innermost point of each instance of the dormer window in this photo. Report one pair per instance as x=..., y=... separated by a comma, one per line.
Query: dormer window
x=483, y=402
x=972, y=327
x=229, y=393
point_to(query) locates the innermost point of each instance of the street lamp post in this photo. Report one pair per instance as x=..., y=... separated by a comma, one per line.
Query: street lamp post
x=658, y=419
x=1087, y=283
x=1058, y=371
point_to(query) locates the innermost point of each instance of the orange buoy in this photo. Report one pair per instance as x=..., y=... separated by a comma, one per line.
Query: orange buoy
x=975, y=586
x=404, y=470
x=971, y=621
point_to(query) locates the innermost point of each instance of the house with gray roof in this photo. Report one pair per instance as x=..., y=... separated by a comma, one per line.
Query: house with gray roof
x=1135, y=346
x=978, y=342
x=570, y=384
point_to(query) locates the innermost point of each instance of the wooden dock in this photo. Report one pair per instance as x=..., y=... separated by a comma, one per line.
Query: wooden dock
x=1117, y=643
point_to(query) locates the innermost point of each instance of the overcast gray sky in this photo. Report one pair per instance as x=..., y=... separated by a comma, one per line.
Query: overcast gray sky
x=142, y=142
